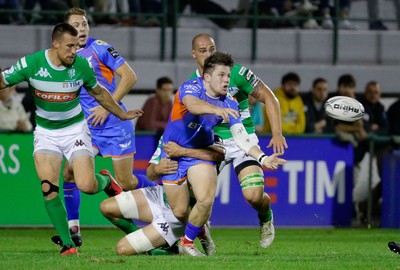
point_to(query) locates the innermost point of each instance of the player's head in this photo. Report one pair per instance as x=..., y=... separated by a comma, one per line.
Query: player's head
x=346, y=85
x=77, y=18
x=65, y=43
x=165, y=89
x=320, y=89
x=203, y=45
x=217, y=72
x=291, y=84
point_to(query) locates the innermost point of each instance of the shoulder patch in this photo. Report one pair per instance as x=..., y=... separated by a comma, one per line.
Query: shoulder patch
x=113, y=52
x=100, y=42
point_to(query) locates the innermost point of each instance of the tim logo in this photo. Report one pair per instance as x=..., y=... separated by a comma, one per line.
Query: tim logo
x=164, y=226
x=79, y=143
x=43, y=73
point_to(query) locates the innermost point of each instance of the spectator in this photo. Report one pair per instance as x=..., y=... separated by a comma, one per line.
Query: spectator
x=344, y=7
x=393, y=118
x=12, y=114
x=374, y=109
x=292, y=107
x=205, y=7
x=157, y=108
x=256, y=112
x=316, y=118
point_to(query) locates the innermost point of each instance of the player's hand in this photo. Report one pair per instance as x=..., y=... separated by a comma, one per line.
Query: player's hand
x=173, y=149
x=278, y=144
x=98, y=116
x=166, y=166
x=273, y=161
x=225, y=112
x=132, y=114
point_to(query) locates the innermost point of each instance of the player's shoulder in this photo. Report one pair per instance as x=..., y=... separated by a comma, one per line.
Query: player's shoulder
x=97, y=43
x=193, y=85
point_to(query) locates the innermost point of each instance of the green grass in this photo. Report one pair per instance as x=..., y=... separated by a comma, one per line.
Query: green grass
x=236, y=249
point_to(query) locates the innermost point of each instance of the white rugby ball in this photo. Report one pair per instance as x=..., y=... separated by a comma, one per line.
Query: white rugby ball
x=344, y=108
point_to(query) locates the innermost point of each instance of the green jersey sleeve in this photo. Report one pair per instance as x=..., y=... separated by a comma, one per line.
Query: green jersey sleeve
x=155, y=159
x=243, y=78
x=16, y=73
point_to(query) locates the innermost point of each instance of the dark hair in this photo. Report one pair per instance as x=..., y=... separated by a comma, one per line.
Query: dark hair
x=318, y=80
x=163, y=80
x=74, y=11
x=62, y=28
x=347, y=80
x=291, y=76
x=217, y=58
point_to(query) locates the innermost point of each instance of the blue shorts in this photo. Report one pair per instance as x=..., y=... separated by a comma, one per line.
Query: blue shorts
x=116, y=141
x=184, y=163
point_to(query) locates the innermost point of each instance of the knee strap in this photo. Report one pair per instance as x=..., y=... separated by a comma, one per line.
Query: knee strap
x=52, y=188
x=252, y=180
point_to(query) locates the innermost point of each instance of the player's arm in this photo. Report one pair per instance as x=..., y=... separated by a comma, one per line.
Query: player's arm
x=197, y=106
x=212, y=153
x=104, y=98
x=2, y=83
x=165, y=166
x=265, y=95
x=245, y=143
x=127, y=81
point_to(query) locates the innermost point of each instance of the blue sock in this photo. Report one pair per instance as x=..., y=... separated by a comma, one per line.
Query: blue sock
x=72, y=198
x=191, y=231
x=143, y=181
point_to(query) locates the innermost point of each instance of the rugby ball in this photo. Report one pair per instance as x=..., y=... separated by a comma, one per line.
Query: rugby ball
x=344, y=108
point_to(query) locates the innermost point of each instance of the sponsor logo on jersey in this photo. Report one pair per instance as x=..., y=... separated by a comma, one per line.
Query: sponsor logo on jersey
x=55, y=97
x=71, y=73
x=113, y=52
x=249, y=75
x=164, y=226
x=43, y=73
x=71, y=84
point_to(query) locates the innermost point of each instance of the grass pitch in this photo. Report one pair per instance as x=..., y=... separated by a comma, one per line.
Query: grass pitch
x=236, y=249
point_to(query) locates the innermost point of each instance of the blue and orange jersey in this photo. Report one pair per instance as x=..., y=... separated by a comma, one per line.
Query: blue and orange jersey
x=195, y=131
x=105, y=60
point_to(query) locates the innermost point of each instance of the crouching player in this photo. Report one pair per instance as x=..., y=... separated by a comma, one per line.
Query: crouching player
x=151, y=206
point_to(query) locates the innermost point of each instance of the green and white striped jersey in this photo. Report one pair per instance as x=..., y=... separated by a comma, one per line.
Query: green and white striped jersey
x=55, y=89
x=241, y=84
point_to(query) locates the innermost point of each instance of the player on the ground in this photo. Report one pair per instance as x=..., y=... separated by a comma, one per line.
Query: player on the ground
x=55, y=77
x=248, y=169
x=150, y=205
x=199, y=105
x=111, y=137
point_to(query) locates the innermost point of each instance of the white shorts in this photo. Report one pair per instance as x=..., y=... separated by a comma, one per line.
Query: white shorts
x=234, y=154
x=71, y=142
x=167, y=225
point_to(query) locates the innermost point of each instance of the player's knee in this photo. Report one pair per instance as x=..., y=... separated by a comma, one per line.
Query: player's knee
x=205, y=203
x=49, y=190
x=181, y=213
x=106, y=208
x=87, y=187
x=123, y=248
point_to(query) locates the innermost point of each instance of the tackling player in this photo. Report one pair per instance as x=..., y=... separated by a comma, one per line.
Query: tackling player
x=248, y=169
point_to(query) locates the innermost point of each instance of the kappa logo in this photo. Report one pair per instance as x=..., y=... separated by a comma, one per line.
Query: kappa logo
x=43, y=73
x=164, y=226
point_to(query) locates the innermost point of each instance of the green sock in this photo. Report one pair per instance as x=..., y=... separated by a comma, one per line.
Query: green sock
x=265, y=217
x=125, y=225
x=159, y=252
x=58, y=216
x=103, y=180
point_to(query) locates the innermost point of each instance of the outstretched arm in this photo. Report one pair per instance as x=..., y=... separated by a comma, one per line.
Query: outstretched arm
x=265, y=95
x=245, y=143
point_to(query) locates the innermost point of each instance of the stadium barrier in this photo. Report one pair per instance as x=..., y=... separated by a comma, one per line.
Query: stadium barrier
x=312, y=189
